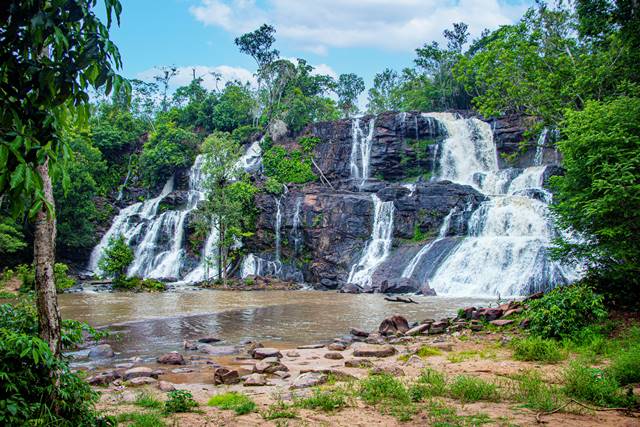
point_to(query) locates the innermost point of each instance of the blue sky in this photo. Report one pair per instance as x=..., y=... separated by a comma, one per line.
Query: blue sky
x=337, y=36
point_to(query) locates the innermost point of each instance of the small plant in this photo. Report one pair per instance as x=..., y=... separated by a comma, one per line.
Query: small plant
x=273, y=186
x=326, y=400
x=308, y=143
x=138, y=419
x=426, y=351
x=434, y=382
x=439, y=414
x=378, y=388
x=240, y=403
x=472, y=389
x=625, y=365
x=534, y=393
x=146, y=400
x=117, y=257
x=536, y=349
x=179, y=401
x=278, y=410
x=592, y=385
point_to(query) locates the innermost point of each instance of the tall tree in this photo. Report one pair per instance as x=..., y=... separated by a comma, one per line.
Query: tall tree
x=52, y=52
x=348, y=88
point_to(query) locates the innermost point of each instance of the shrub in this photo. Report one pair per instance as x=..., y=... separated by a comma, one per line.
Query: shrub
x=327, y=400
x=179, y=401
x=27, y=275
x=238, y=402
x=592, y=385
x=287, y=166
x=434, y=381
x=308, y=143
x=146, y=400
x=278, y=410
x=379, y=388
x=564, y=311
x=116, y=258
x=273, y=186
x=535, y=393
x=536, y=349
x=625, y=365
x=471, y=389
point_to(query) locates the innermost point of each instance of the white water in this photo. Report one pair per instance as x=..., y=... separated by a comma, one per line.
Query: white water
x=278, y=226
x=362, y=140
x=253, y=265
x=505, y=251
x=296, y=231
x=538, y=158
x=378, y=246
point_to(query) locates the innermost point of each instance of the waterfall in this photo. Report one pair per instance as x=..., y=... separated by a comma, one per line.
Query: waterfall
x=296, y=231
x=505, y=251
x=410, y=268
x=253, y=265
x=277, y=227
x=537, y=159
x=378, y=246
x=361, y=151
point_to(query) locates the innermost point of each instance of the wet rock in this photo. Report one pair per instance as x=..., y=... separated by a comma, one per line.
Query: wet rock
x=511, y=311
x=264, y=352
x=190, y=345
x=426, y=290
x=371, y=350
x=225, y=376
x=103, y=378
x=418, y=330
x=438, y=327
x=333, y=356
x=399, y=285
x=138, y=381
x=173, y=358
x=165, y=386
x=138, y=372
x=359, y=333
x=393, y=325
x=222, y=350
x=310, y=346
x=337, y=346
x=209, y=339
x=502, y=322
x=467, y=312
x=350, y=288
x=269, y=365
x=309, y=379
x=255, y=380
x=292, y=354
x=101, y=351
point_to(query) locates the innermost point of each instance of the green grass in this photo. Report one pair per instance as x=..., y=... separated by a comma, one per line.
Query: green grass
x=431, y=383
x=238, y=402
x=472, y=389
x=146, y=400
x=625, y=365
x=279, y=410
x=441, y=415
x=140, y=419
x=325, y=400
x=465, y=355
x=534, y=393
x=7, y=295
x=592, y=385
x=378, y=388
x=537, y=349
x=423, y=352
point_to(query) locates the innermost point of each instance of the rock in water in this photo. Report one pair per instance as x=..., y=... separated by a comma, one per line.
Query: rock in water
x=225, y=376
x=264, y=352
x=101, y=351
x=173, y=358
x=359, y=333
x=394, y=324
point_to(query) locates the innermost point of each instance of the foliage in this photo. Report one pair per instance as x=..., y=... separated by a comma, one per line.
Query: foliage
x=179, y=401
x=138, y=284
x=592, y=385
x=308, y=143
x=287, y=166
x=564, y=311
x=279, y=410
x=535, y=393
x=625, y=365
x=326, y=400
x=601, y=151
x=146, y=400
x=116, y=258
x=258, y=44
x=140, y=419
x=380, y=388
x=11, y=236
x=434, y=381
x=536, y=349
x=471, y=389
x=233, y=109
x=27, y=275
x=238, y=402
x=273, y=186
x=348, y=88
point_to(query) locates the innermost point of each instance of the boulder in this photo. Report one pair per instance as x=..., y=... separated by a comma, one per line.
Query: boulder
x=418, y=330
x=359, y=333
x=372, y=350
x=269, y=365
x=426, y=290
x=225, y=376
x=333, y=355
x=393, y=325
x=190, y=345
x=222, y=350
x=337, y=346
x=358, y=363
x=374, y=338
x=264, y=352
x=165, y=386
x=502, y=322
x=101, y=351
x=399, y=285
x=438, y=327
x=309, y=379
x=173, y=358
x=209, y=339
x=138, y=372
x=513, y=311
x=103, y=378
x=255, y=380
x=490, y=314
x=350, y=288
x=467, y=312
x=134, y=382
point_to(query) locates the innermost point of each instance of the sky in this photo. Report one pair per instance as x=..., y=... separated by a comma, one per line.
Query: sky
x=335, y=36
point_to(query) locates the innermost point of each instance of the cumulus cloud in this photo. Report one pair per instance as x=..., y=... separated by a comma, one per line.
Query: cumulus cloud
x=213, y=77
x=392, y=24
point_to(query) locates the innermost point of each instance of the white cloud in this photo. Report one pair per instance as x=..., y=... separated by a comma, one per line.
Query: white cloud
x=318, y=25
x=185, y=75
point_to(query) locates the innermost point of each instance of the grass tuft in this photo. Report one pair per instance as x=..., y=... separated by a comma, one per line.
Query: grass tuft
x=592, y=385
x=472, y=389
x=326, y=400
x=378, y=388
x=146, y=400
x=140, y=419
x=240, y=403
x=279, y=410
x=535, y=393
x=537, y=349
x=625, y=365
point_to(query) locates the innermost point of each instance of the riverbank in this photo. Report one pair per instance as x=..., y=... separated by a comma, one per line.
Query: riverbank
x=429, y=374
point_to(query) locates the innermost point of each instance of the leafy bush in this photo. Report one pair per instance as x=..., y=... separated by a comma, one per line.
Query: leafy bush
x=245, y=133
x=625, y=365
x=287, y=166
x=536, y=349
x=273, y=186
x=27, y=275
x=592, y=385
x=116, y=258
x=434, y=381
x=179, y=401
x=471, y=389
x=327, y=400
x=308, y=143
x=535, y=393
x=238, y=402
x=565, y=311
x=379, y=388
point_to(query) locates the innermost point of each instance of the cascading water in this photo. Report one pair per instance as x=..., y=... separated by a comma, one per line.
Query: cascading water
x=362, y=140
x=505, y=251
x=538, y=158
x=277, y=227
x=253, y=265
x=296, y=230
x=378, y=246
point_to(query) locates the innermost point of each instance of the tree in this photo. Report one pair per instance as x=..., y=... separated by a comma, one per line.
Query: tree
x=257, y=44
x=52, y=52
x=599, y=195
x=164, y=78
x=348, y=88
x=383, y=96
x=116, y=258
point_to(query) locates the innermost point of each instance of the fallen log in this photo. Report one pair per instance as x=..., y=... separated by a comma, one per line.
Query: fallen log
x=401, y=299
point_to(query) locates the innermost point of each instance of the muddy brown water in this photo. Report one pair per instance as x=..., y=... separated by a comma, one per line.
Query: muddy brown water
x=150, y=324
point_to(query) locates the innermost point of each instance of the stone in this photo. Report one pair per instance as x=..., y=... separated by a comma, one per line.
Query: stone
x=426, y=290
x=475, y=326
x=333, y=355
x=103, y=378
x=511, y=311
x=181, y=370
x=138, y=381
x=399, y=285
x=255, y=380
x=389, y=370
x=350, y=288
x=209, y=339
x=374, y=338
x=269, y=365
x=292, y=354
x=418, y=330
x=490, y=314
x=264, y=352
x=414, y=360
x=308, y=379
x=190, y=345
x=337, y=346
x=101, y=351
x=359, y=333
x=173, y=358
x=225, y=376
x=223, y=350
x=372, y=350
x=282, y=374
x=442, y=346
x=252, y=345
x=392, y=325
x=337, y=374
x=138, y=372
x=467, y=312
x=502, y=322
x=358, y=363
x=124, y=365
x=310, y=346
x=165, y=386
x=438, y=327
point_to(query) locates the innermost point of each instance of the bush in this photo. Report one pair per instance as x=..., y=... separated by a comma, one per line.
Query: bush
x=625, y=365
x=179, y=401
x=535, y=393
x=273, y=186
x=116, y=258
x=564, y=311
x=238, y=402
x=592, y=385
x=328, y=400
x=287, y=166
x=471, y=389
x=380, y=388
x=27, y=275
x=434, y=381
x=308, y=143
x=139, y=284
x=536, y=349
x=278, y=410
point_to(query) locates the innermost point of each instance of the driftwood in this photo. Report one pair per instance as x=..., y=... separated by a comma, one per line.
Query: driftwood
x=401, y=299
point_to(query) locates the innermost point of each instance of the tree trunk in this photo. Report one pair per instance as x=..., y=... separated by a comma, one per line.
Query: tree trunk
x=44, y=259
